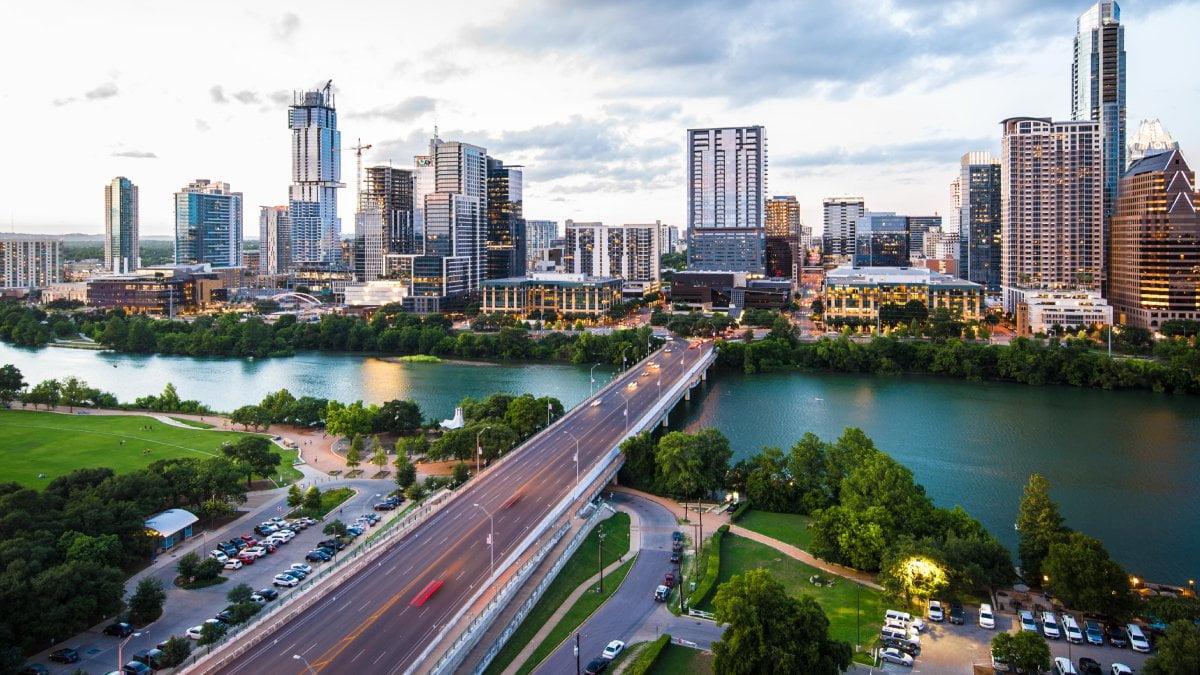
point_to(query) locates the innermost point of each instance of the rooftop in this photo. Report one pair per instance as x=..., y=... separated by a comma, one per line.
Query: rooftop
x=171, y=521
x=895, y=275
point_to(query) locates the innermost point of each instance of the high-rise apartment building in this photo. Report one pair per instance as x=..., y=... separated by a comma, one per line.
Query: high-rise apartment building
x=630, y=252
x=841, y=216
x=783, y=236
x=881, y=240
x=917, y=226
x=1052, y=206
x=539, y=234
x=383, y=222
x=30, y=263
x=316, y=177
x=978, y=215
x=274, y=240
x=1155, y=243
x=727, y=183
x=121, y=252
x=1151, y=138
x=208, y=224
x=506, y=238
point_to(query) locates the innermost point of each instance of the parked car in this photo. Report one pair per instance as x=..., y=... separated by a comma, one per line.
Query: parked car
x=284, y=580
x=613, y=650
x=1137, y=639
x=295, y=574
x=1028, y=623
x=64, y=655
x=354, y=531
x=1050, y=626
x=224, y=616
x=596, y=666
x=119, y=629
x=332, y=543
x=986, y=618
x=317, y=556
x=151, y=657
x=307, y=569
x=675, y=557
x=1120, y=669
x=906, y=647
x=669, y=580
x=220, y=556
x=893, y=655
x=246, y=558
x=936, y=613
x=957, y=614
x=661, y=593
x=234, y=564
x=250, y=541
x=1071, y=628
x=269, y=593
x=194, y=631
x=39, y=669
x=384, y=506
x=999, y=663
x=1089, y=666
x=1062, y=666
x=1094, y=632
x=136, y=668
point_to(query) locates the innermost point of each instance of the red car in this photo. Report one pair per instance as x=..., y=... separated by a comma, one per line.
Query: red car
x=669, y=580
x=246, y=559
x=270, y=547
x=250, y=541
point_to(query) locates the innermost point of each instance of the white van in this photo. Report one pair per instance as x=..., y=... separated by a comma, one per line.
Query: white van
x=1137, y=639
x=1071, y=628
x=897, y=615
x=901, y=636
x=986, y=618
x=1050, y=626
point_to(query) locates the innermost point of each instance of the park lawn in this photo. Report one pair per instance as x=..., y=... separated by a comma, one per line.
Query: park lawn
x=55, y=444
x=790, y=528
x=580, y=568
x=739, y=555
x=676, y=660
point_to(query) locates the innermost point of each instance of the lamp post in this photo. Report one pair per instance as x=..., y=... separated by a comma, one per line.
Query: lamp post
x=479, y=449
x=600, y=560
x=626, y=413
x=576, y=439
x=549, y=408
x=592, y=379
x=625, y=349
x=121, y=650
x=491, y=535
x=307, y=665
x=576, y=653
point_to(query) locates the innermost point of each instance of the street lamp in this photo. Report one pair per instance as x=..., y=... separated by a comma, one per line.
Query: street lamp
x=577, y=653
x=626, y=348
x=491, y=535
x=574, y=438
x=121, y=649
x=592, y=378
x=600, y=560
x=307, y=665
x=479, y=449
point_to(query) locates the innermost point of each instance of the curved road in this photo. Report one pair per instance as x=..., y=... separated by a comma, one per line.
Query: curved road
x=631, y=614
x=381, y=618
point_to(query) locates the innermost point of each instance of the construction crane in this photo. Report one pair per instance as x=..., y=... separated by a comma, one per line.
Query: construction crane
x=358, y=151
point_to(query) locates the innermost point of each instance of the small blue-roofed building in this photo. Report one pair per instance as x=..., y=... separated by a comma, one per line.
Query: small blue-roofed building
x=170, y=528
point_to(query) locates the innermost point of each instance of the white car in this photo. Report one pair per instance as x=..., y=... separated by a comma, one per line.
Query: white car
x=1050, y=626
x=194, y=631
x=1062, y=666
x=1121, y=669
x=936, y=612
x=234, y=564
x=219, y=556
x=893, y=655
x=986, y=618
x=613, y=650
x=301, y=567
x=1137, y=639
x=256, y=551
x=284, y=580
x=1028, y=623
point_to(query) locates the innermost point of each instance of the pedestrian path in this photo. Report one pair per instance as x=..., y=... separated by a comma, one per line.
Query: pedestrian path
x=635, y=544
x=806, y=557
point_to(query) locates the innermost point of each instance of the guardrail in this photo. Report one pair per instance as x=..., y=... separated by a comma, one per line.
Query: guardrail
x=310, y=590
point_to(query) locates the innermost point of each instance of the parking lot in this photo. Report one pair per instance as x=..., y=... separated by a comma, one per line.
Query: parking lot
x=954, y=649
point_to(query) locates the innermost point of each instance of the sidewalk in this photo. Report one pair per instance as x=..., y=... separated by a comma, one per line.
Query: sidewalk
x=807, y=558
x=635, y=545
x=679, y=510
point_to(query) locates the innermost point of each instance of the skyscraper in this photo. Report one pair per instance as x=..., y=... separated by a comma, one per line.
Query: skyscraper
x=916, y=227
x=538, y=237
x=841, y=216
x=881, y=240
x=505, y=221
x=316, y=176
x=121, y=252
x=727, y=183
x=783, y=236
x=208, y=224
x=30, y=263
x=383, y=222
x=1052, y=206
x=631, y=251
x=1155, y=274
x=1098, y=92
x=979, y=220
x=1151, y=138
x=274, y=240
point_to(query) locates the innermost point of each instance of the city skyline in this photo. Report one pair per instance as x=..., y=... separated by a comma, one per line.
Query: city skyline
x=583, y=140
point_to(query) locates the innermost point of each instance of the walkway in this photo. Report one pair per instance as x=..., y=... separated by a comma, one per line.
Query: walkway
x=807, y=558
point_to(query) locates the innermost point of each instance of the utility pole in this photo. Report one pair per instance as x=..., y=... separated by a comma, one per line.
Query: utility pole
x=576, y=653
x=600, y=560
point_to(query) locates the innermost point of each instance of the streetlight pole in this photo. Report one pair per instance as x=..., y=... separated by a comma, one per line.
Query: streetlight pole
x=626, y=399
x=625, y=349
x=491, y=535
x=592, y=379
x=479, y=449
x=121, y=650
x=549, y=407
x=600, y=560
x=576, y=653
x=576, y=439
x=307, y=665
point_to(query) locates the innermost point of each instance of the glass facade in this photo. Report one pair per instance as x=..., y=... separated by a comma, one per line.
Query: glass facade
x=881, y=240
x=316, y=177
x=727, y=179
x=506, y=240
x=782, y=236
x=121, y=247
x=860, y=293
x=841, y=216
x=208, y=224
x=979, y=220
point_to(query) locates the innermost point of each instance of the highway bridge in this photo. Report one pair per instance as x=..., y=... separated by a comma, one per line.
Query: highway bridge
x=387, y=616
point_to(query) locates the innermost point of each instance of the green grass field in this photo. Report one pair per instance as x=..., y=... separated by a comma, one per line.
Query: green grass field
x=580, y=568
x=790, y=528
x=676, y=660
x=739, y=555
x=54, y=444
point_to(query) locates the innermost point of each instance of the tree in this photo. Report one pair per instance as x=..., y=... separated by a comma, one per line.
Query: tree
x=188, y=565
x=208, y=569
x=1079, y=571
x=294, y=497
x=250, y=416
x=460, y=472
x=354, y=454
x=75, y=392
x=348, y=420
x=239, y=593
x=398, y=416
x=146, y=603
x=1178, y=651
x=312, y=499
x=253, y=456
x=768, y=631
x=914, y=577
x=414, y=492
x=680, y=470
x=712, y=447
x=11, y=383
x=176, y=651
x=1038, y=524
x=210, y=633
x=379, y=456
x=334, y=528
x=46, y=392
x=1023, y=652
x=524, y=415
x=639, y=468
x=406, y=473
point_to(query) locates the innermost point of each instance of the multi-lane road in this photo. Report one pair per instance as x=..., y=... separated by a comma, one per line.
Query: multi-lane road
x=383, y=617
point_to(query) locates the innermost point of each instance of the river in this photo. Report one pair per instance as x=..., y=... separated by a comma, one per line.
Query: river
x=1123, y=465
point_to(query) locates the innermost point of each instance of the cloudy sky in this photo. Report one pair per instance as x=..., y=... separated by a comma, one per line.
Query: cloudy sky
x=876, y=98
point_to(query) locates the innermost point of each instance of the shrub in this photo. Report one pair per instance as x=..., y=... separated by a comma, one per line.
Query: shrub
x=712, y=570
x=646, y=658
x=739, y=512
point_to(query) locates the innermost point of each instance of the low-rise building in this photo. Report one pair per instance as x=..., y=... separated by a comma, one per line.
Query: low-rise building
x=376, y=293
x=852, y=292
x=559, y=293
x=1040, y=310
x=71, y=290
x=164, y=291
x=170, y=528
x=729, y=290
